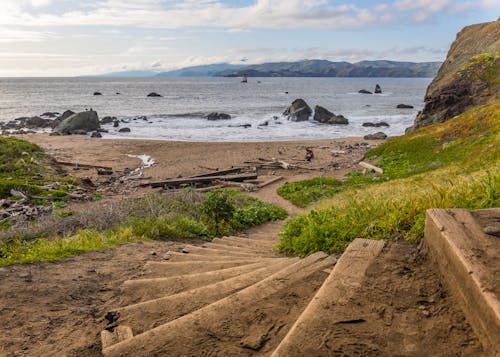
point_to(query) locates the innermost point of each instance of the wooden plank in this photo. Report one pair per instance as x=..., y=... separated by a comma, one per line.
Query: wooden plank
x=236, y=170
x=76, y=164
x=371, y=167
x=271, y=181
x=208, y=179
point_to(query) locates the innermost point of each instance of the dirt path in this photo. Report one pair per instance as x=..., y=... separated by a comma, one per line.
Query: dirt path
x=57, y=309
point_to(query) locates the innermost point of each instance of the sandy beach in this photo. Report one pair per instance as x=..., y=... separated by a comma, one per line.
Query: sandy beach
x=181, y=159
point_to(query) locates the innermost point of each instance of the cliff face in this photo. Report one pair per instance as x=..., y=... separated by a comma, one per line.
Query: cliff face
x=468, y=77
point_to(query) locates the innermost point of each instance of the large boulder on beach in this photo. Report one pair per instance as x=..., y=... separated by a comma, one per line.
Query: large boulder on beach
x=298, y=111
x=377, y=136
x=325, y=116
x=79, y=122
x=218, y=116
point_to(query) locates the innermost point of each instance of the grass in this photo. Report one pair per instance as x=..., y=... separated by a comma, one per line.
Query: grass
x=303, y=193
x=24, y=168
x=453, y=164
x=154, y=217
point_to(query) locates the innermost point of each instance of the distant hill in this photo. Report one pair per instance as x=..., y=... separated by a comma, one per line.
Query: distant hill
x=127, y=74
x=200, y=71
x=323, y=68
x=306, y=68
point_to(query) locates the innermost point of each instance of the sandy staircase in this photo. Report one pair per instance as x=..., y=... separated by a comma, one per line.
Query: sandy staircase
x=234, y=297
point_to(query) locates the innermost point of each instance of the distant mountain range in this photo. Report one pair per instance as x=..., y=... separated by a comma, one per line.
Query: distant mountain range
x=307, y=68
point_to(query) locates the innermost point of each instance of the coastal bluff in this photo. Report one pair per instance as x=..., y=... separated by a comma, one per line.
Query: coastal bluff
x=468, y=77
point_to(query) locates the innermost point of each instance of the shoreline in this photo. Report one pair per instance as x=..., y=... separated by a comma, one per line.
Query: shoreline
x=174, y=159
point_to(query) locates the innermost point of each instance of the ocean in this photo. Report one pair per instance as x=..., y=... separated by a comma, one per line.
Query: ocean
x=179, y=114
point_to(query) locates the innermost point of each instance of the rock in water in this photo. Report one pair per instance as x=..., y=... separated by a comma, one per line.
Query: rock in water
x=108, y=120
x=154, y=94
x=376, y=125
x=78, y=123
x=96, y=134
x=325, y=116
x=218, y=116
x=376, y=136
x=404, y=106
x=298, y=111
x=97, y=93
x=364, y=91
x=322, y=114
x=378, y=90
x=124, y=130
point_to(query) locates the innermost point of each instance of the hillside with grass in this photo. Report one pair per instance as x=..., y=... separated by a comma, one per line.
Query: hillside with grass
x=452, y=164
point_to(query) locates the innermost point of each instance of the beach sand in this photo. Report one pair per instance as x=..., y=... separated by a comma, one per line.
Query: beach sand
x=175, y=159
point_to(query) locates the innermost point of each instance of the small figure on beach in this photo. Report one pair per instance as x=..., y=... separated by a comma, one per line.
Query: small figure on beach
x=309, y=154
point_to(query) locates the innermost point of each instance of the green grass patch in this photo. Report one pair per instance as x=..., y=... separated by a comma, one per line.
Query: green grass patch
x=41, y=250
x=453, y=164
x=303, y=193
x=24, y=167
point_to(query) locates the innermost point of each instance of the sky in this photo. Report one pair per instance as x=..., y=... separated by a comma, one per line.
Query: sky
x=70, y=38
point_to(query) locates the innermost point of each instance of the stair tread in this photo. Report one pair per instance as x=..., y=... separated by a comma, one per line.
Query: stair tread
x=265, y=308
x=149, y=314
x=327, y=305
x=163, y=269
x=134, y=291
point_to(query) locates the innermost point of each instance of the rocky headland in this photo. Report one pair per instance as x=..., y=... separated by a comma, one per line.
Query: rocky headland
x=468, y=77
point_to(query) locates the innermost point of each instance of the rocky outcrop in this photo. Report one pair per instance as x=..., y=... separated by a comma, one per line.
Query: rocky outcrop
x=218, y=116
x=108, y=120
x=325, y=116
x=378, y=90
x=377, y=136
x=79, y=123
x=375, y=125
x=467, y=78
x=298, y=111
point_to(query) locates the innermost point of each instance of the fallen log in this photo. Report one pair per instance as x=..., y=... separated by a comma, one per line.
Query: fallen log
x=371, y=167
x=236, y=170
x=76, y=164
x=271, y=181
x=200, y=180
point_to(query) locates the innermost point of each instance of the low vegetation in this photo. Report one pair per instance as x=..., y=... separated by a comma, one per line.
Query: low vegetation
x=453, y=164
x=23, y=169
x=303, y=193
x=169, y=216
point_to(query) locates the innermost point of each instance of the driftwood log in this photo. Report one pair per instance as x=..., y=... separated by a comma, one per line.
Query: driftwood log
x=371, y=167
x=201, y=180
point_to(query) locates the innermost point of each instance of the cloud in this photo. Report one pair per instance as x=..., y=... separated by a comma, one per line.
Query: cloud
x=13, y=36
x=267, y=14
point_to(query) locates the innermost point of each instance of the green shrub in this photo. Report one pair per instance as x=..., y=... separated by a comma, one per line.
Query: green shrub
x=217, y=210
